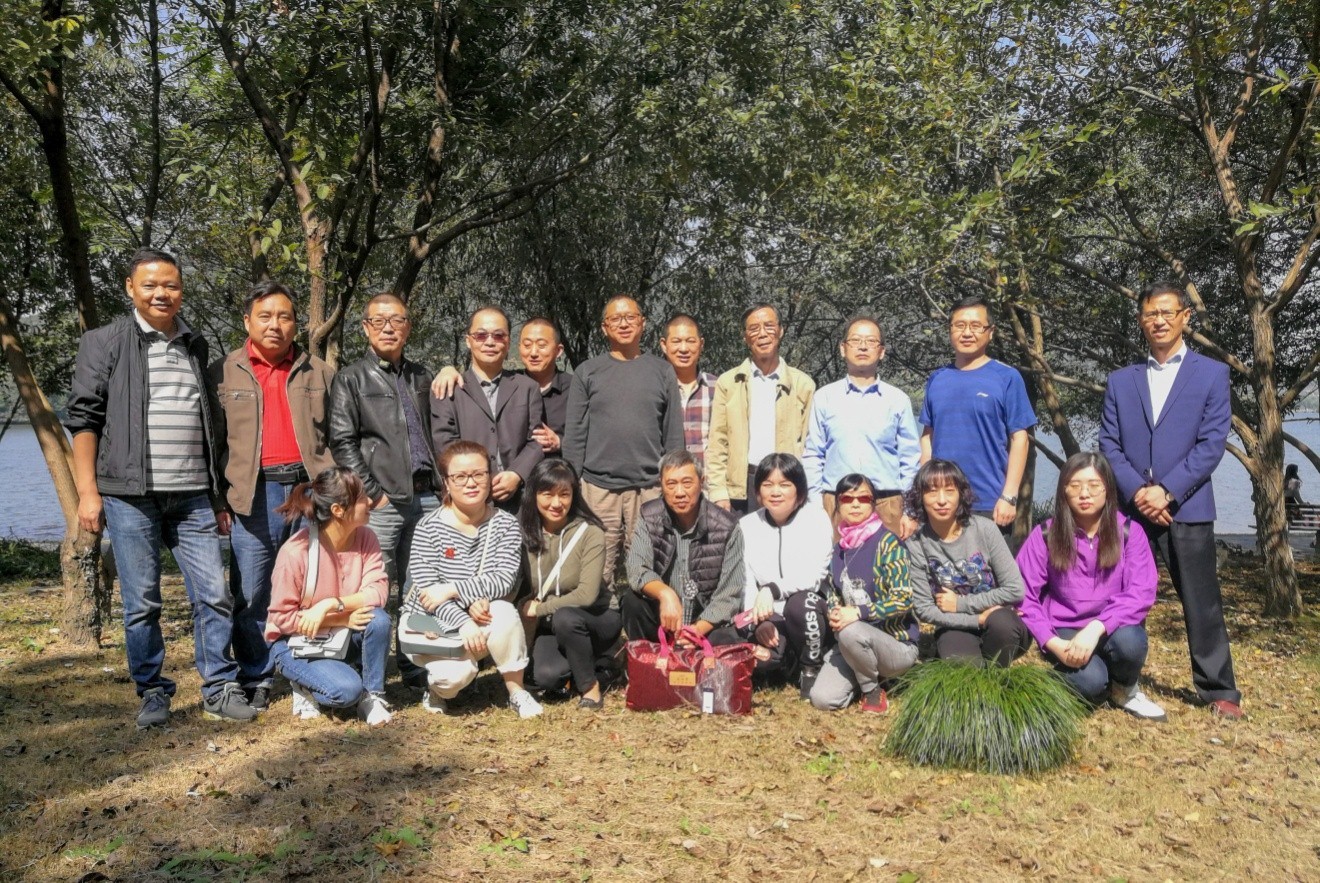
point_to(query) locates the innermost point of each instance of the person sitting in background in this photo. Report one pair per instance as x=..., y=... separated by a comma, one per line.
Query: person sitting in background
x=1292, y=486
x=685, y=563
x=350, y=590
x=1090, y=581
x=572, y=617
x=871, y=616
x=786, y=555
x=464, y=568
x=966, y=583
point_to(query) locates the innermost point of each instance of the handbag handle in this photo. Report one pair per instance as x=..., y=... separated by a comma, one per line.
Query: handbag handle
x=313, y=562
x=699, y=639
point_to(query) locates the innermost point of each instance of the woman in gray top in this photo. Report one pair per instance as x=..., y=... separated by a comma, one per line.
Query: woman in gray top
x=964, y=579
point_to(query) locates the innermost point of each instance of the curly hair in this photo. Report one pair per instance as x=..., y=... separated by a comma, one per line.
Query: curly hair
x=937, y=473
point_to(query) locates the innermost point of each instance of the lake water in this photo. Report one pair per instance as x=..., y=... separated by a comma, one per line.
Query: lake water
x=30, y=510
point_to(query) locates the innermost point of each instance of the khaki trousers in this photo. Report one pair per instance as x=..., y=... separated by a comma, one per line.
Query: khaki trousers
x=618, y=511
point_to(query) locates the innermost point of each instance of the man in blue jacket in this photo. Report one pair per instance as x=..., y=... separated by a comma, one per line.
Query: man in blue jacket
x=1164, y=428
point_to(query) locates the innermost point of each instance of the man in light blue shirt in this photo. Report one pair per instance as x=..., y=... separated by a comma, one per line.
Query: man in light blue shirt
x=862, y=424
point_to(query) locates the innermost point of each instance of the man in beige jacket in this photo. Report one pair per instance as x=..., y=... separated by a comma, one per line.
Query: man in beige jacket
x=760, y=408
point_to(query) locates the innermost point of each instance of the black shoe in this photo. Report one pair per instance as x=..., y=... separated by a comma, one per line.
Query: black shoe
x=154, y=710
x=591, y=704
x=258, y=698
x=229, y=704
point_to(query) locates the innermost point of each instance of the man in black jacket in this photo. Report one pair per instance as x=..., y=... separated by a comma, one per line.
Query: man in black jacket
x=141, y=419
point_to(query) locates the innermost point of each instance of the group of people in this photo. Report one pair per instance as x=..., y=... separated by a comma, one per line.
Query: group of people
x=499, y=507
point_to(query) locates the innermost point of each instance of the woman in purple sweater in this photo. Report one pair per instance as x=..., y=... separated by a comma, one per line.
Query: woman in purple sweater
x=1090, y=580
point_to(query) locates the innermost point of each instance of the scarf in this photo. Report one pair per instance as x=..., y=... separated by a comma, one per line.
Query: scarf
x=853, y=535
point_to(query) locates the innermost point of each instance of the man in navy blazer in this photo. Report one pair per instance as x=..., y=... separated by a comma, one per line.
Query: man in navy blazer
x=1164, y=428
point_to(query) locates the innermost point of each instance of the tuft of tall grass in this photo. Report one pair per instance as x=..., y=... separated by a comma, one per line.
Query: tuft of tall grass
x=1020, y=719
x=20, y=559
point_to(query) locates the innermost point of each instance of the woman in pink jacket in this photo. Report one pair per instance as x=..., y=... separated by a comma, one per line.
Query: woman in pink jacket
x=1090, y=580
x=349, y=591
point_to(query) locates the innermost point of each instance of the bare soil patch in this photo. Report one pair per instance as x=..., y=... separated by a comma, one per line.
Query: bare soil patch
x=788, y=792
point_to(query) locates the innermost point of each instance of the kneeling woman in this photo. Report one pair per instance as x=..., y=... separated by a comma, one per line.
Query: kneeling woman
x=348, y=590
x=872, y=615
x=1090, y=581
x=463, y=568
x=572, y=617
x=965, y=582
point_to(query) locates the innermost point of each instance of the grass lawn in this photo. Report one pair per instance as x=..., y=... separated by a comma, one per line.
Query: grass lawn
x=786, y=793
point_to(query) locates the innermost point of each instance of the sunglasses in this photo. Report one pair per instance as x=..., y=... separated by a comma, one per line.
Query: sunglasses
x=845, y=499
x=483, y=336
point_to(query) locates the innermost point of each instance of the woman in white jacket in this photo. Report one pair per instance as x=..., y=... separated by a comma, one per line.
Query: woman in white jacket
x=786, y=553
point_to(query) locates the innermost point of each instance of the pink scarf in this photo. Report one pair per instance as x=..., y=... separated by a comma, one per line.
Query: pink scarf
x=853, y=535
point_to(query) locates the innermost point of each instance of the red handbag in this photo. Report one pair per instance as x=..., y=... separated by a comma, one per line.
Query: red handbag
x=717, y=680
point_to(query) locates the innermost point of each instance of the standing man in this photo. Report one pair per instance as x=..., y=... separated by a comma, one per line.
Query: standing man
x=1164, y=428
x=274, y=406
x=760, y=408
x=623, y=415
x=498, y=409
x=380, y=427
x=682, y=345
x=976, y=413
x=144, y=459
x=862, y=424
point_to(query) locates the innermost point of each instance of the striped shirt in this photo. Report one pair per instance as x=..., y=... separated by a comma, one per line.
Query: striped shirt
x=176, y=447
x=696, y=414
x=444, y=555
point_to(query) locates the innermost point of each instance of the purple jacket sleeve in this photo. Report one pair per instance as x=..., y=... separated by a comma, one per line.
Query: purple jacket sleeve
x=1136, y=594
x=1033, y=560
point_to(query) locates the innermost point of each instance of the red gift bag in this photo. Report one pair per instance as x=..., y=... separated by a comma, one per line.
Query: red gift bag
x=717, y=680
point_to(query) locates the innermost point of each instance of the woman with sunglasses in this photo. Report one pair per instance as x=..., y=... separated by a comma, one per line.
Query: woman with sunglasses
x=965, y=581
x=786, y=554
x=872, y=613
x=464, y=568
x=572, y=617
x=1090, y=581
x=348, y=590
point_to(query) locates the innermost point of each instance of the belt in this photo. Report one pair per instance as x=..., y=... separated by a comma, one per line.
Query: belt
x=422, y=482
x=887, y=492
x=288, y=473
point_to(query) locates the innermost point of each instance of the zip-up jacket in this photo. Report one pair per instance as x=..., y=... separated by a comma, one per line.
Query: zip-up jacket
x=789, y=558
x=238, y=420
x=109, y=397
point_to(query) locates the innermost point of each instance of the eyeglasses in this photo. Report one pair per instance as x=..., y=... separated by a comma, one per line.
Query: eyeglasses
x=625, y=319
x=974, y=327
x=1073, y=488
x=379, y=322
x=756, y=330
x=845, y=499
x=483, y=336
x=863, y=341
x=462, y=479
x=1166, y=315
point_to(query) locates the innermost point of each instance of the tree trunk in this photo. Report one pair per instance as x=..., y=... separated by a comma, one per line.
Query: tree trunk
x=86, y=580
x=1026, y=496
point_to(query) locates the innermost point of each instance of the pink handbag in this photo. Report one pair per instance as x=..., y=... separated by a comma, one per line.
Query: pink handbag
x=716, y=680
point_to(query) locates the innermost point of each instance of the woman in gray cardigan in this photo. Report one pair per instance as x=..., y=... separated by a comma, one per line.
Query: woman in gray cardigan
x=964, y=579
x=572, y=616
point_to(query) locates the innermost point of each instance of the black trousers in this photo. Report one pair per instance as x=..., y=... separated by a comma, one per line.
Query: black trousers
x=1003, y=639
x=1188, y=551
x=575, y=640
x=804, y=634
x=641, y=620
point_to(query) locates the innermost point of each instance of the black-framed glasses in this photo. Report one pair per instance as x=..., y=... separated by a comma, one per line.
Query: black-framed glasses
x=379, y=322
x=462, y=479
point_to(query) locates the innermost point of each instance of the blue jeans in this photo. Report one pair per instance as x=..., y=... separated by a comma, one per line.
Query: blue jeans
x=341, y=683
x=394, y=525
x=256, y=540
x=1117, y=659
x=185, y=524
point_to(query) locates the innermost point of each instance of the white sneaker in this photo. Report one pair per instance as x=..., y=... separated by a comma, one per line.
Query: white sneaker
x=433, y=703
x=373, y=709
x=304, y=706
x=1136, y=703
x=525, y=704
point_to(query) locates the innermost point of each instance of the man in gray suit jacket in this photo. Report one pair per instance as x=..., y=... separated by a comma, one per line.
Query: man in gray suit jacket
x=496, y=408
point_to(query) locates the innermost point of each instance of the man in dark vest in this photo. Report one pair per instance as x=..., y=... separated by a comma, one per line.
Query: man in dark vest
x=685, y=563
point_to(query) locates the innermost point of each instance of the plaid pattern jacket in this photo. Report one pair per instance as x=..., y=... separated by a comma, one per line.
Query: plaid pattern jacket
x=696, y=415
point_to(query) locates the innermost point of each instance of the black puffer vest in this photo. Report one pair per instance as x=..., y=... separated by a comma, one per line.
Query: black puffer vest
x=706, y=557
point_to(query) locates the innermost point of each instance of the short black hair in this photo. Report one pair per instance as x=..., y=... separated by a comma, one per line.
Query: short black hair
x=786, y=465
x=490, y=308
x=934, y=473
x=676, y=318
x=747, y=313
x=265, y=289
x=150, y=256
x=1157, y=289
x=385, y=297
x=847, y=329
x=972, y=302
x=548, y=322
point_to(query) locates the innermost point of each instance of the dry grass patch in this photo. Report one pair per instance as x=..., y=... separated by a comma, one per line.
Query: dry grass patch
x=785, y=793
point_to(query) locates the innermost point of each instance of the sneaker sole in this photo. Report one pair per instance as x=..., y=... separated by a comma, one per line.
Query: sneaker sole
x=217, y=716
x=153, y=726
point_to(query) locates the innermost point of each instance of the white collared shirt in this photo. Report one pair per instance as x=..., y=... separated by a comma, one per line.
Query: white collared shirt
x=1161, y=378
x=761, y=413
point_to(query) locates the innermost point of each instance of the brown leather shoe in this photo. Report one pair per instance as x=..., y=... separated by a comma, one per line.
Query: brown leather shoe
x=1228, y=710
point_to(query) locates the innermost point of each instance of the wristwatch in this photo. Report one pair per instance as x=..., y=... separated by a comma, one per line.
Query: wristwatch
x=1012, y=501
x=1168, y=496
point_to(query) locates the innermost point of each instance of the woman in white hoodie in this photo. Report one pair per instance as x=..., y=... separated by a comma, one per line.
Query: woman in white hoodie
x=786, y=553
